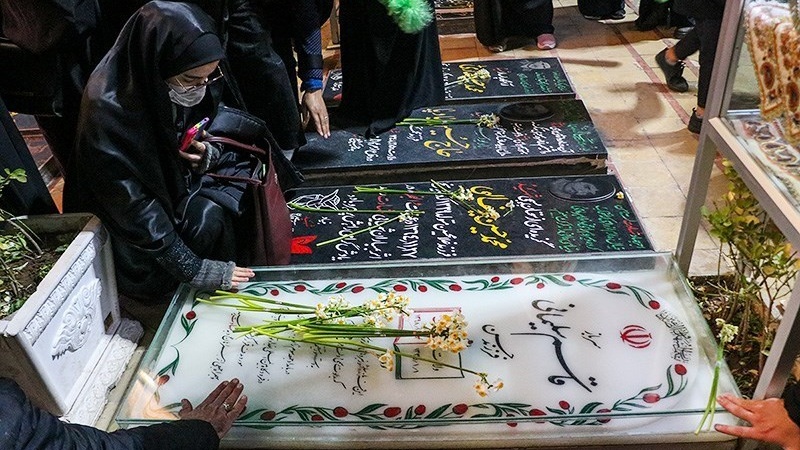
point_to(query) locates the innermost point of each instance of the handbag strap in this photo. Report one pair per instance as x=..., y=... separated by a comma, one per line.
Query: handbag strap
x=253, y=181
x=252, y=149
x=246, y=147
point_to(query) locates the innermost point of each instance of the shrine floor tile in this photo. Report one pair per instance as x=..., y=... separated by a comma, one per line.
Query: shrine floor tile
x=618, y=126
x=657, y=175
x=639, y=150
x=663, y=231
x=657, y=201
x=662, y=127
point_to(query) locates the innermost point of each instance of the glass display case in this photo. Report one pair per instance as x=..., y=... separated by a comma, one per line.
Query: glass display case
x=769, y=164
x=591, y=350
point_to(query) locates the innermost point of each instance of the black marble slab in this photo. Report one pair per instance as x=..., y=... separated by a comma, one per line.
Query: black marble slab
x=565, y=143
x=537, y=216
x=489, y=80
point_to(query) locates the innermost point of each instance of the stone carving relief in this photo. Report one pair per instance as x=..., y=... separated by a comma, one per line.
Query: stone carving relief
x=76, y=325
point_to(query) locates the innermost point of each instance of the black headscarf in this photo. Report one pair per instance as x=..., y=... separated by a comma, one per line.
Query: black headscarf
x=126, y=168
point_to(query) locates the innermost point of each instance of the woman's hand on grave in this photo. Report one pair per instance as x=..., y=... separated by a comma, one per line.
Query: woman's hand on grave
x=241, y=275
x=222, y=406
x=314, y=108
x=768, y=419
x=223, y=275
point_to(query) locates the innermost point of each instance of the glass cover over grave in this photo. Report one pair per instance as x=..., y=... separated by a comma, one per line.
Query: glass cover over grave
x=591, y=350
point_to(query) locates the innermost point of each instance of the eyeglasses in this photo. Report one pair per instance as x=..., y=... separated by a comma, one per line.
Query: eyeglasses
x=212, y=77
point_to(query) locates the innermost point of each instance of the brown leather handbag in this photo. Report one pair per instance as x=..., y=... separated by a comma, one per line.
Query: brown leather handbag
x=268, y=214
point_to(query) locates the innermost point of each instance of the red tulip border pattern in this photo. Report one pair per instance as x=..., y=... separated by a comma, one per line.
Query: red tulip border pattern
x=379, y=415
x=384, y=416
x=423, y=285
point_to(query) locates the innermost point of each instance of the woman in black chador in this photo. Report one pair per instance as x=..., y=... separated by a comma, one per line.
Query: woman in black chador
x=168, y=221
x=386, y=73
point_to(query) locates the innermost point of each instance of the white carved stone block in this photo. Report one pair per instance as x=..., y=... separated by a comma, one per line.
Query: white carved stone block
x=53, y=346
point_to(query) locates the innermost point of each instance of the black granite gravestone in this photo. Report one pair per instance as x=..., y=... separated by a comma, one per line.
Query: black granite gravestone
x=562, y=140
x=535, y=216
x=494, y=80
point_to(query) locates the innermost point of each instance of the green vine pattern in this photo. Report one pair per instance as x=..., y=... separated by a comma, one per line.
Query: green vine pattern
x=380, y=412
x=387, y=416
x=422, y=285
x=188, y=320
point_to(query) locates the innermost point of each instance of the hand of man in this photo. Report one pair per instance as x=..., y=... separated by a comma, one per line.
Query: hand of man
x=222, y=406
x=769, y=419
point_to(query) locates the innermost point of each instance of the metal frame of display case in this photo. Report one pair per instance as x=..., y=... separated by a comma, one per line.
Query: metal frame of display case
x=717, y=135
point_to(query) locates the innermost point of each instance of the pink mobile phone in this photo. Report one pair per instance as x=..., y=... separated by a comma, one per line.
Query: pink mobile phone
x=192, y=133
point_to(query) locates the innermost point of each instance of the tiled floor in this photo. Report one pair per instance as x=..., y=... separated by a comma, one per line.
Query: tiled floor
x=642, y=123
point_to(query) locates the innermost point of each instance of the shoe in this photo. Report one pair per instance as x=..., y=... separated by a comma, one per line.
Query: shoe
x=618, y=15
x=592, y=17
x=672, y=73
x=695, y=123
x=681, y=32
x=546, y=41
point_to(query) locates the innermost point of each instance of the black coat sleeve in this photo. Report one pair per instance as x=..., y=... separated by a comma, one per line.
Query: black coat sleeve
x=24, y=426
x=180, y=435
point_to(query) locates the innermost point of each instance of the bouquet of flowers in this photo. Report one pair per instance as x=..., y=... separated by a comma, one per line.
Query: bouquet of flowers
x=348, y=327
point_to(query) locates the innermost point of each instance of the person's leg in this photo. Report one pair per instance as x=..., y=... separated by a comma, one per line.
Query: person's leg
x=708, y=30
x=261, y=75
x=521, y=20
x=542, y=19
x=207, y=229
x=708, y=33
x=684, y=47
x=670, y=60
x=544, y=29
x=651, y=15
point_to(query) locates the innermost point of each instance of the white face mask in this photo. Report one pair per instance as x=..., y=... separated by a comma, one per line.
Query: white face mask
x=179, y=95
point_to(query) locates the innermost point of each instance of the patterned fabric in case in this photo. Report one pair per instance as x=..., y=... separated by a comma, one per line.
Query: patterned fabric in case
x=761, y=21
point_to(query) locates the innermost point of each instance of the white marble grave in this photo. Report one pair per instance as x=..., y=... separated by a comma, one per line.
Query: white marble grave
x=598, y=350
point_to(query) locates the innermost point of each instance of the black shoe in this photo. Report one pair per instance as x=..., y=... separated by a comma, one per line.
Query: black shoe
x=618, y=15
x=672, y=73
x=695, y=123
x=681, y=32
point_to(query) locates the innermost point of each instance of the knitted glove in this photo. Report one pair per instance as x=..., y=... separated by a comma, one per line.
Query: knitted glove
x=179, y=260
x=214, y=275
x=210, y=158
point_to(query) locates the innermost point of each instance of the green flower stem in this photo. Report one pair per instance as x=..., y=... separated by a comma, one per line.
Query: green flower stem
x=433, y=122
x=433, y=361
x=708, y=415
x=223, y=295
x=440, y=190
x=363, y=230
x=444, y=191
x=379, y=190
x=247, y=306
x=382, y=350
x=362, y=211
x=347, y=331
x=360, y=347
